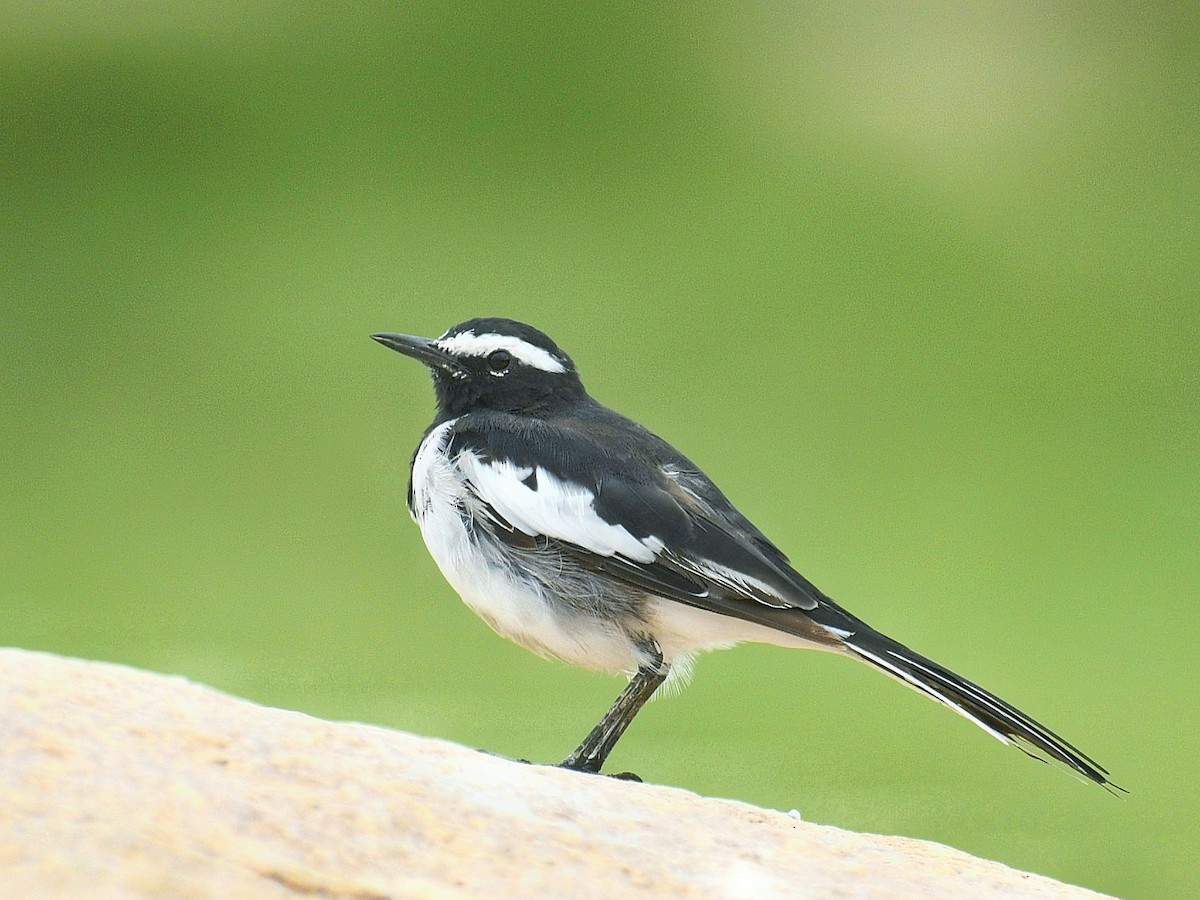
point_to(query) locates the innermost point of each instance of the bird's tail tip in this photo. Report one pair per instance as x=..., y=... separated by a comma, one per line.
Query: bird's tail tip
x=997, y=717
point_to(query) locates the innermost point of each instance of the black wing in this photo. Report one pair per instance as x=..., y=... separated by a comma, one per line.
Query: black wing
x=691, y=544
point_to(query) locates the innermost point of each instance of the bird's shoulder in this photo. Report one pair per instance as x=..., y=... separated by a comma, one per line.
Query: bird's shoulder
x=621, y=462
x=584, y=438
x=618, y=463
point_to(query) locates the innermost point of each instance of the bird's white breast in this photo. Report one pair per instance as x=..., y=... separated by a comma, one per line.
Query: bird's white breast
x=484, y=574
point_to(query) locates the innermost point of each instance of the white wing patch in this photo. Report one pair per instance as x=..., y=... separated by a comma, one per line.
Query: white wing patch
x=557, y=509
x=467, y=343
x=565, y=511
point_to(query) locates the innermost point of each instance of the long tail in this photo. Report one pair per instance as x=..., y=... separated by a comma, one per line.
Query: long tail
x=997, y=717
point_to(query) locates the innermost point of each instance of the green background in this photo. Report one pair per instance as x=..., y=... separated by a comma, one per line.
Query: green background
x=916, y=284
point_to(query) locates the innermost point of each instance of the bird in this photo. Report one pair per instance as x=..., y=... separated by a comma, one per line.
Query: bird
x=582, y=536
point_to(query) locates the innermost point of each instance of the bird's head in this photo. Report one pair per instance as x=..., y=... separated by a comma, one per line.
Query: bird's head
x=493, y=364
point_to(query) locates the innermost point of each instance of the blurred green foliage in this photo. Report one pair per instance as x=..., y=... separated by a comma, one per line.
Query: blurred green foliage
x=943, y=263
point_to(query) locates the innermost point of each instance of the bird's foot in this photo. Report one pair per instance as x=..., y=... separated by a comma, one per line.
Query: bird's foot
x=592, y=768
x=573, y=766
x=625, y=776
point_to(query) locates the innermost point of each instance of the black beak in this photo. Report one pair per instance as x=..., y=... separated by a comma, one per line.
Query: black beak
x=422, y=349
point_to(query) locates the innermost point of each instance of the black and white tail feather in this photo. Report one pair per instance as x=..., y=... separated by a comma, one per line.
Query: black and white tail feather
x=583, y=536
x=994, y=715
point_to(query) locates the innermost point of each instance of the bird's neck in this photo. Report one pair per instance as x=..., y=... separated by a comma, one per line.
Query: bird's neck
x=546, y=407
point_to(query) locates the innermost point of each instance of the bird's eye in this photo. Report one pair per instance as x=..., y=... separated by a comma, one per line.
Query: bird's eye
x=498, y=360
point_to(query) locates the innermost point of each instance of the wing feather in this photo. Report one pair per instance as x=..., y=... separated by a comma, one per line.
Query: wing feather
x=653, y=521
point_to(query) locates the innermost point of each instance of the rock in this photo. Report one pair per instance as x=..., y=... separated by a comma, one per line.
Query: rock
x=120, y=783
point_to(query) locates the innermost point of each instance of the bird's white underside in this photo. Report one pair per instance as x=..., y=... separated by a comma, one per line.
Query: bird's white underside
x=516, y=608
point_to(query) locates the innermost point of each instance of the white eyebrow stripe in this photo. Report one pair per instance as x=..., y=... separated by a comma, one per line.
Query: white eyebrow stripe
x=467, y=343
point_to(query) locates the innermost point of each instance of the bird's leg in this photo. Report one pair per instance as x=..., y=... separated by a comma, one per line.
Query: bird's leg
x=590, y=755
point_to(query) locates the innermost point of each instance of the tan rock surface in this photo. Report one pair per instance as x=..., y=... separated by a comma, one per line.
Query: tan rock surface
x=120, y=783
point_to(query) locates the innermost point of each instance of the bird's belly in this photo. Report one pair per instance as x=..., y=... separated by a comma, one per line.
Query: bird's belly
x=489, y=578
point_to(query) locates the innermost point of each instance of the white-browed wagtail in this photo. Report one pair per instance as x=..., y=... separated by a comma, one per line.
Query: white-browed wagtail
x=581, y=535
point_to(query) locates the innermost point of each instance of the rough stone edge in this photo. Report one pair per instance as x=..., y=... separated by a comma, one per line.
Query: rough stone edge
x=301, y=882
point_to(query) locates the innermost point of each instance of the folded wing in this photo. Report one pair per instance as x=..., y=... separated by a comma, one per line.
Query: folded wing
x=658, y=525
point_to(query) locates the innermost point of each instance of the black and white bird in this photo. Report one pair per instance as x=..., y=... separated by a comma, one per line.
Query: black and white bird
x=581, y=535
